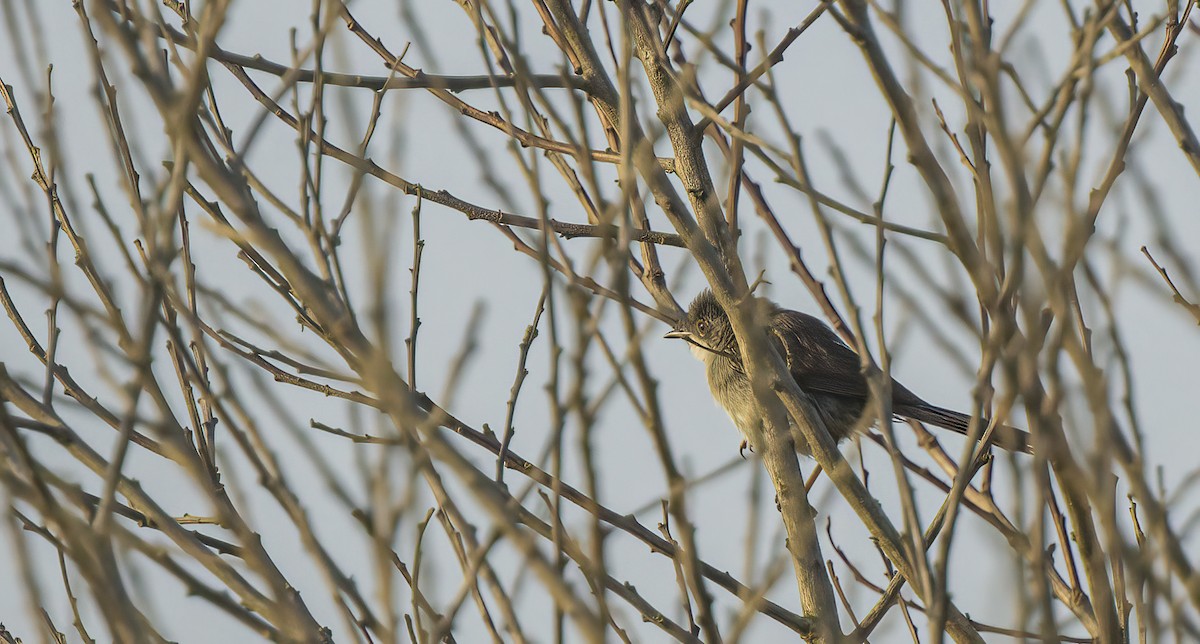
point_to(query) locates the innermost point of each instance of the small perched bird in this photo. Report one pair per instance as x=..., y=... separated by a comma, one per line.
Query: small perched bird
x=821, y=364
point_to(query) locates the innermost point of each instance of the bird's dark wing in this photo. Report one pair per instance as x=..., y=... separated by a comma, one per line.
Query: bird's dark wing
x=816, y=357
x=821, y=363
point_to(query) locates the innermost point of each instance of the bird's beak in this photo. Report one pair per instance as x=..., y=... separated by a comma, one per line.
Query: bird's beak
x=678, y=334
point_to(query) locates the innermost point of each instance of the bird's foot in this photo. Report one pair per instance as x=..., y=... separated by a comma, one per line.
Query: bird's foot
x=743, y=446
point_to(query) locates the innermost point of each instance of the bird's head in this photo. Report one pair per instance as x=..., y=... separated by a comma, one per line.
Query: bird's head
x=706, y=328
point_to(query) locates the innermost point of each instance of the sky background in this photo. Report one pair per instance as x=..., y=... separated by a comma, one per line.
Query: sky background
x=832, y=101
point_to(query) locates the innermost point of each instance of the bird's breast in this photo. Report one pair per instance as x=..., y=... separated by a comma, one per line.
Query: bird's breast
x=731, y=390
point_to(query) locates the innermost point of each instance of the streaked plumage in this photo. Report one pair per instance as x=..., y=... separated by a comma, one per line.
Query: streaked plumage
x=822, y=365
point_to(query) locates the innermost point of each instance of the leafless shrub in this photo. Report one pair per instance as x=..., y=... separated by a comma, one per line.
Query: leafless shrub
x=232, y=421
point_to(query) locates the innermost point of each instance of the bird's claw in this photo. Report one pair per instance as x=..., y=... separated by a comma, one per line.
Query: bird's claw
x=742, y=447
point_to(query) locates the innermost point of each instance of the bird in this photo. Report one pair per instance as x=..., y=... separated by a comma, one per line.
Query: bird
x=822, y=365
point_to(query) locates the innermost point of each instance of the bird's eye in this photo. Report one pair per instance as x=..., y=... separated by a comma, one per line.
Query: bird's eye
x=702, y=327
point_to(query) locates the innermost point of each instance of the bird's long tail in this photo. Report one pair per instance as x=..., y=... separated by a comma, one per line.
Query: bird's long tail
x=1009, y=438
